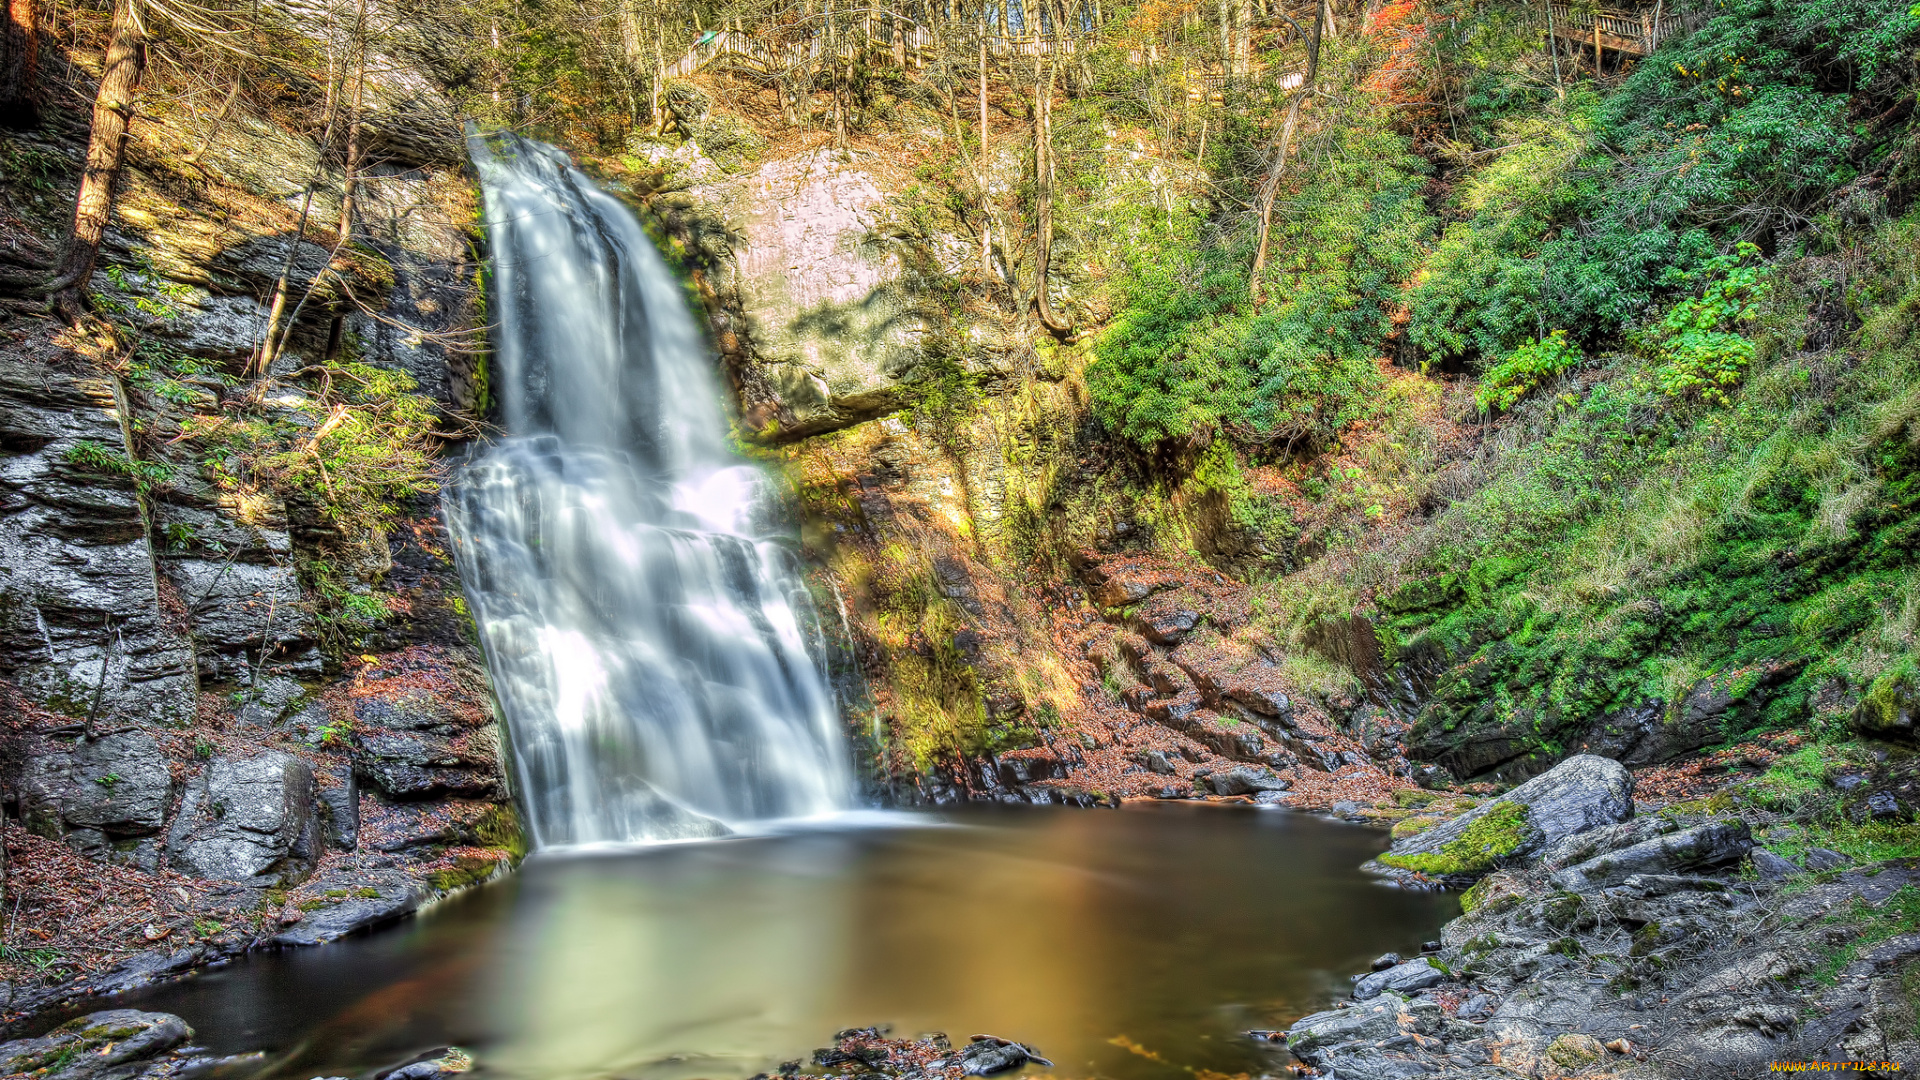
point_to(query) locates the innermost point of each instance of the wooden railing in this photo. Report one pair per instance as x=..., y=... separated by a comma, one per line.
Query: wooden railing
x=1635, y=33
x=770, y=57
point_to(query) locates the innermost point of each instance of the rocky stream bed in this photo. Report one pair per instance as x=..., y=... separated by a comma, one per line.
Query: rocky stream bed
x=1600, y=936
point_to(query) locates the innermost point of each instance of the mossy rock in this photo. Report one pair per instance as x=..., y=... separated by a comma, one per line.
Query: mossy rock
x=1576, y=1051
x=1891, y=706
x=1498, y=833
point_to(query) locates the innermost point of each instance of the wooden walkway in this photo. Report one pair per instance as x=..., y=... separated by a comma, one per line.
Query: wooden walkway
x=903, y=41
x=1629, y=33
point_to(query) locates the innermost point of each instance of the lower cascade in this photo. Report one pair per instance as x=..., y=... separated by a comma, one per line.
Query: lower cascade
x=653, y=647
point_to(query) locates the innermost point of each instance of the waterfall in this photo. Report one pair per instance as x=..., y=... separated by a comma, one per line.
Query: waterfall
x=646, y=630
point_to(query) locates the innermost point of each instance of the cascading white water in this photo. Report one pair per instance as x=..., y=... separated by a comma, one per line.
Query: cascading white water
x=648, y=640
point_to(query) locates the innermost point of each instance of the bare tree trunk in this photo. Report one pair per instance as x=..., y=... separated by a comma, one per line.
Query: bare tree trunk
x=1242, y=39
x=1270, y=190
x=1226, y=35
x=19, y=64
x=654, y=105
x=986, y=165
x=106, y=149
x=357, y=59
x=635, y=56
x=1043, y=194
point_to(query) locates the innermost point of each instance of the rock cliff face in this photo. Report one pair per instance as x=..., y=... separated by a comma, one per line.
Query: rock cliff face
x=830, y=317
x=213, y=671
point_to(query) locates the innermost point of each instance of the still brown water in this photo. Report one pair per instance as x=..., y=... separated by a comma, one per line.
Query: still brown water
x=1134, y=944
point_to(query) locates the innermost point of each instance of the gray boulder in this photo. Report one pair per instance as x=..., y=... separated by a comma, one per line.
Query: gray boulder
x=1577, y=796
x=1578, y=848
x=1771, y=867
x=103, y=796
x=1713, y=844
x=1374, y=1039
x=1245, y=780
x=1819, y=860
x=350, y=903
x=1401, y=978
x=248, y=820
x=415, y=746
x=1155, y=761
x=95, y=1045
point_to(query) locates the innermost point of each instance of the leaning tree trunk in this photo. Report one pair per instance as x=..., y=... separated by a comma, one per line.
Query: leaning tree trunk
x=106, y=149
x=19, y=63
x=1270, y=190
x=1043, y=195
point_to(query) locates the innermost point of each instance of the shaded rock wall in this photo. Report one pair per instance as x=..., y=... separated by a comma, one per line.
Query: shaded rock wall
x=199, y=703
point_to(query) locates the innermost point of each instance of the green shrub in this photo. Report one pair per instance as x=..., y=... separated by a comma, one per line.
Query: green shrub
x=1699, y=354
x=1524, y=369
x=1189, y=352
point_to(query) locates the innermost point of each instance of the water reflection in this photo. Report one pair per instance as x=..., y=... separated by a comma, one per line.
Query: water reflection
x=1167, y=928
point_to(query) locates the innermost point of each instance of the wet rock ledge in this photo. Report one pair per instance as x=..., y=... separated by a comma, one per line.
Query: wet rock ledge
x=1596, y=940
x=127, y=1044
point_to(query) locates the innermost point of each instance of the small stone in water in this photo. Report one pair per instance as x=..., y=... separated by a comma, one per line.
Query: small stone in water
x=1382, y=963
x=988, y=1054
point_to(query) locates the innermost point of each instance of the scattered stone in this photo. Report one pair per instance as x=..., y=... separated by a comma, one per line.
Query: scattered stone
x=1819, y=860
x=1317, y=1038
x=1771, y=867
x=1477, y=1007
x=1245, y=780
x=1713, y=844
x=986, y=1055
x=1401, y=978
x=1576, y=1051
x=446, y=1061
x=1166, y=624
x=1885, y=806
x=1155, y=761
x=1382, y=963
x=1620, y=1046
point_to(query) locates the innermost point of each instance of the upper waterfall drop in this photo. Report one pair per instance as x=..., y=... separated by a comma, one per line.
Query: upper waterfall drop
x=649, y=640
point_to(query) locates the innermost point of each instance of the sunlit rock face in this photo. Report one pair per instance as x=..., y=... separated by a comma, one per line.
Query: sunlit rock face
x=652, y=644
x=826, y=306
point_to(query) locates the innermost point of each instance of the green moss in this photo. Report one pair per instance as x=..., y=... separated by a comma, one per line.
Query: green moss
x=1892, y=697
x=1413, y=826
x=1473, y=898
x=500, y=828
x=1870, y=925
x=465, y=872
x=1492, y=836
